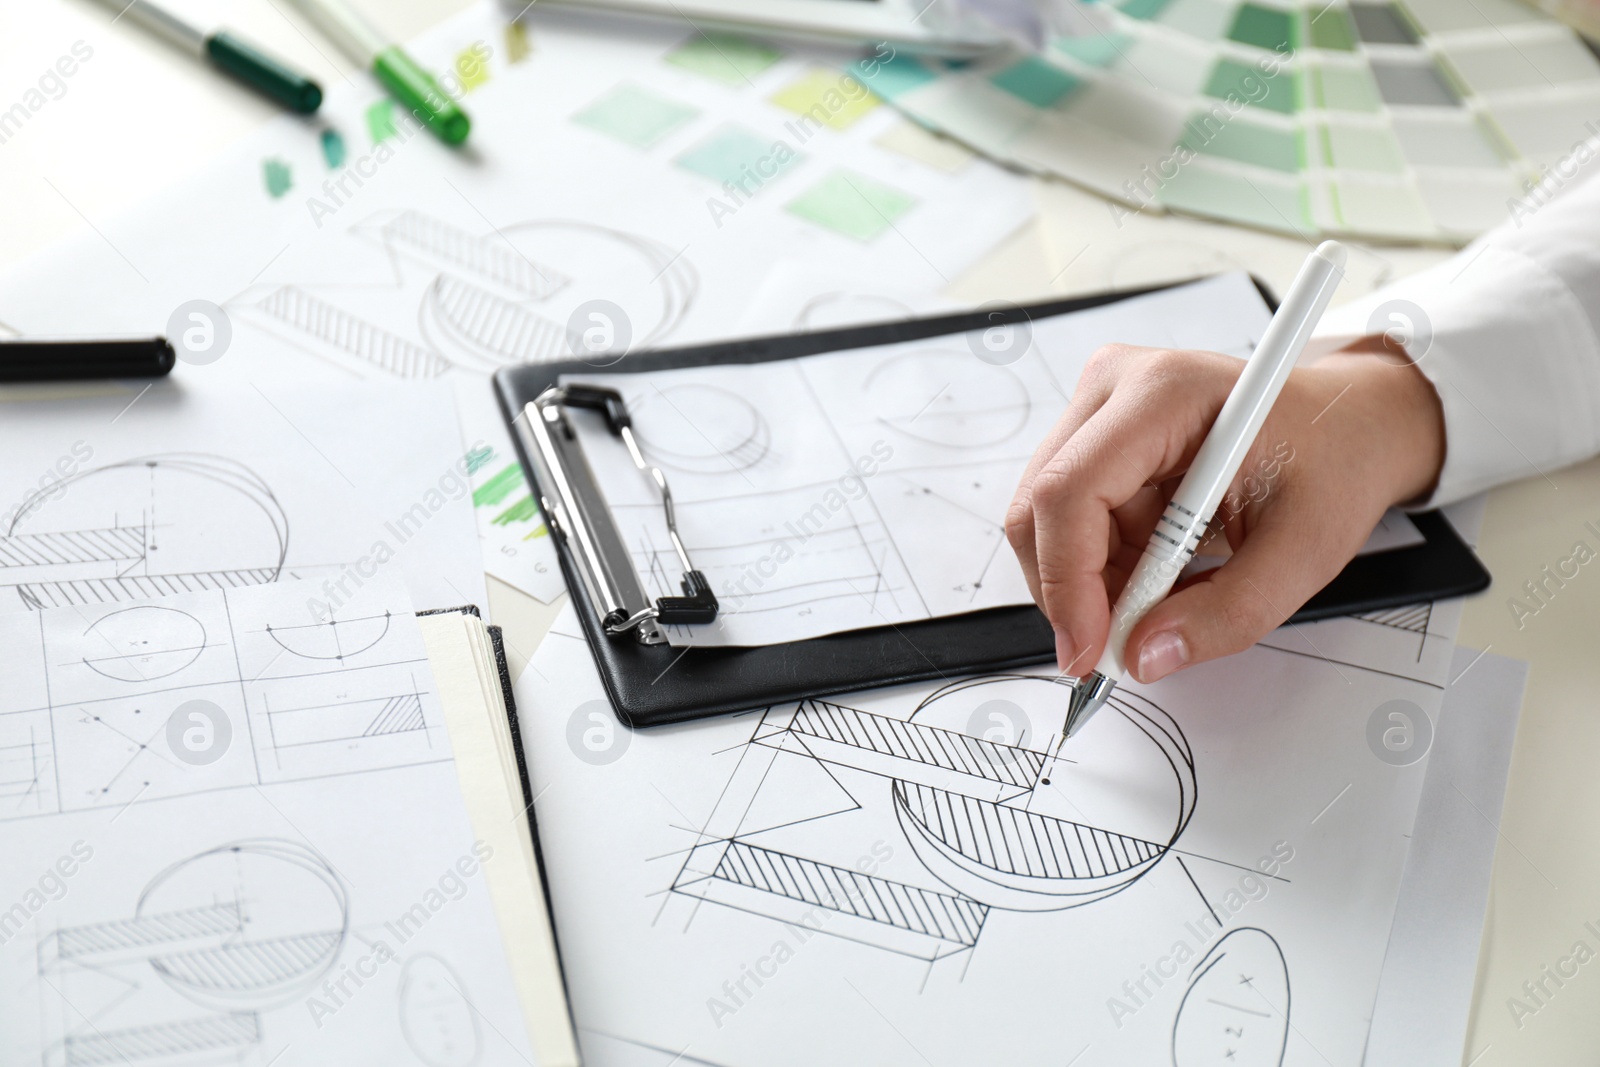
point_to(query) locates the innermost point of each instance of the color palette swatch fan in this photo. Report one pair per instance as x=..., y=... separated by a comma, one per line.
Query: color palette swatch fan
x=1420, y=120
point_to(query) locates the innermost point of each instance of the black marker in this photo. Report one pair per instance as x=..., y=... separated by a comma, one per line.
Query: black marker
x=76, y=359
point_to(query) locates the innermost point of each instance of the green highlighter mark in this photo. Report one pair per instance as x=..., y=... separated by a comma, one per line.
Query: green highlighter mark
x=276, y=174
x=852, y=204
x=380, y=121
x=499, y=487
x=723, y=58
x=333, y=150
x=524, y=510
x=634, y=116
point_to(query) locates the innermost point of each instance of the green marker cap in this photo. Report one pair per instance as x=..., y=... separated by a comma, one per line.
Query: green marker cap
x=263, y=73
x=416, y=89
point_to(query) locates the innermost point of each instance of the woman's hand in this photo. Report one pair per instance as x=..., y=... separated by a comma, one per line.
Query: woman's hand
x=1349, y=436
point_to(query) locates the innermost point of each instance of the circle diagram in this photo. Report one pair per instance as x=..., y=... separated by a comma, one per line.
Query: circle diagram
x=143, y=643
x=1101, y=822
x=948, y=399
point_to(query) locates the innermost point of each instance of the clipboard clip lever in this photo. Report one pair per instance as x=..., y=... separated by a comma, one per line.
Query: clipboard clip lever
x=576, y=514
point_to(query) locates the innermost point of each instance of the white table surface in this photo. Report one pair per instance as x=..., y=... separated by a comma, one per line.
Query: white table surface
x=139, y=115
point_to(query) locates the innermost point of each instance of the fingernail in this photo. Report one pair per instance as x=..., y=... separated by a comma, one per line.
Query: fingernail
x=1066, y=652
x=1162, y=654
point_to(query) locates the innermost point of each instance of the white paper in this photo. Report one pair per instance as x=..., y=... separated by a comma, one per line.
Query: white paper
x=129, y=493
x=868, y=487
x=413, y=260
x=233, y=833
x=1425, y=998
x=686, y=859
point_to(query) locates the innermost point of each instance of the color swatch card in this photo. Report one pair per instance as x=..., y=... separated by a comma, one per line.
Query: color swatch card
x=1413, y=120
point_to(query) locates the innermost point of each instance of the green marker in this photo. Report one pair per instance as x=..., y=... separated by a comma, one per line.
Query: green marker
x=233, y=55
x=405, y=79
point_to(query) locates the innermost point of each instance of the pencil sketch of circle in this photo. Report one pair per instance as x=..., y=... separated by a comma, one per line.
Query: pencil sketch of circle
x=1236, y=1010
x=1164, y=262
x=948, y=399
x=436, y=1018
x=1107, y=815
x=512, y=296
x=832, y=310
x=143, y=643
x=189, y=520
x=1005, y=726
x=1399, y=732
x=264, y=919
x=704, y=429
x=199, y=733
x=595, y=736
x=331, y=639
x=599, y=332
x=1006, y=338
x=199, y=332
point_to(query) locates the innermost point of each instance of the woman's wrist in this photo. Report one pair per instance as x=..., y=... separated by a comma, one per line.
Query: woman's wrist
x=1404, y=409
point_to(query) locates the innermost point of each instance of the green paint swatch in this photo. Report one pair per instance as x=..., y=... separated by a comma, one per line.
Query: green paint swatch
x=499, y=487
x=1263, y=27
x=723, y=57
x=1143, y=9
x=740, y=157
x=1346, y=89
x=634, y=116
x=852, y=204
x=1035, y=81
x=1270, y=205
x=524, y=510
x=1330, y=28
x=1248, y=83
x=1363, y=148
x=1096, y=50
x=479, y=458
x=380, y=120
x=539, y=531
x=893, y=77
x=275, y=172
x=333, y=151
x=1244, y=141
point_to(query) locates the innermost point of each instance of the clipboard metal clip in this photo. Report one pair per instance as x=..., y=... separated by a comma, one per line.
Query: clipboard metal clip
x=577, y=512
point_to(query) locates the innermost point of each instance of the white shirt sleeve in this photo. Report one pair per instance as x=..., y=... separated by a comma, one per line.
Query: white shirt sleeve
x=1509, y=333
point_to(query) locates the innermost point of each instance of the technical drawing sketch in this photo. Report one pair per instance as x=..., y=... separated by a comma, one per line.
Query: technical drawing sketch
x=981, y=405
x=27, y=764
x=521, y=293
x=334, y=639
x=701, y=428
x=144, y=643
x=995, y=825
x=436, y=1018
x=834, y=309
x=134, y=529
x=212, y=942
x=1236, y=1009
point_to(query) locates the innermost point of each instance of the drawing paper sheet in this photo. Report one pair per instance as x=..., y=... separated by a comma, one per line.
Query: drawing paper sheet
x=919, y=873
x=113, y=494
x=869, y=487
x=1425, y=999
x=235, y=834
x=643, y=174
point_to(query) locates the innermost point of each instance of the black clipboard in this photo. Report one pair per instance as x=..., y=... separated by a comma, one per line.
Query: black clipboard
x=654, y=684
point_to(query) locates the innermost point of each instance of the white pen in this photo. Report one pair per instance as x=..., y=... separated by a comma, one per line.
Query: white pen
x=1178, y=532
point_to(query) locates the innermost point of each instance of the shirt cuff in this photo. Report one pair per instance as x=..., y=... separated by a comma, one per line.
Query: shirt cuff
x=1512, y=354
